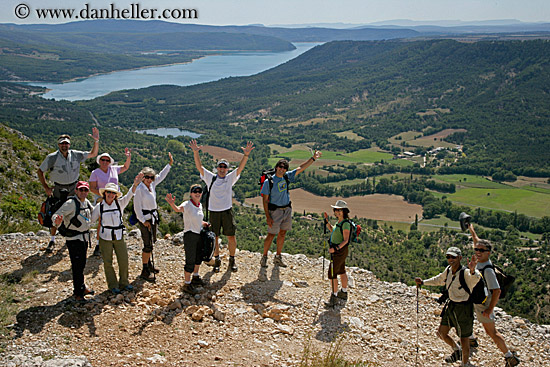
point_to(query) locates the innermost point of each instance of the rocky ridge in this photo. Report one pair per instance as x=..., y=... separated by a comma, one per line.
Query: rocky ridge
x=254, y=317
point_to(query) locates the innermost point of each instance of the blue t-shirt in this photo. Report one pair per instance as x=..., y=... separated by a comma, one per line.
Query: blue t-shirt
x=279, y=194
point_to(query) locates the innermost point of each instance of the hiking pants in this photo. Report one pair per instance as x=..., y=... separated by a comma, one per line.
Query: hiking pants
x=148, y=237
x=119, y=246
x=192, y=244
x=77, y=253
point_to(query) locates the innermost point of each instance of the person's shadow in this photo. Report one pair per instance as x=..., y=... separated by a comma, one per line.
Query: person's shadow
x=331, y=324
x=263, y=289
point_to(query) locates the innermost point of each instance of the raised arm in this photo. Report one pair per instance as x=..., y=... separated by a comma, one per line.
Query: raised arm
x=246, y=151
x=127, y=163
x=475, y=238
x=195, y=147
x=95, y=136
x=308, y=163
x=171, y=199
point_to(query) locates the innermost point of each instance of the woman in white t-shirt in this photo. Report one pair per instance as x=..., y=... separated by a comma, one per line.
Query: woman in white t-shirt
x=193, y=223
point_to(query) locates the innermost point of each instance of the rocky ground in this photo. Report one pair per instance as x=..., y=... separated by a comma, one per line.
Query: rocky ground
x=254, y=317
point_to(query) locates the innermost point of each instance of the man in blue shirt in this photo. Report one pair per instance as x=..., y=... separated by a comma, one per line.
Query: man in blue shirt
x=277, y=206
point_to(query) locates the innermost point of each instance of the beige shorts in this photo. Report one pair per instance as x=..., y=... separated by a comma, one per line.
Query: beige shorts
x=282, y=220
x=484, y=320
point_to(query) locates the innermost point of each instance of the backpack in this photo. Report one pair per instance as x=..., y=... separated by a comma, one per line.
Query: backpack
x=504, y=281
x=64, y=230
x=479, y=294
x=267, y=174
x=208, y=239
x=112, y=228
x=48, y=208
x=354, y=232
x=205, y=198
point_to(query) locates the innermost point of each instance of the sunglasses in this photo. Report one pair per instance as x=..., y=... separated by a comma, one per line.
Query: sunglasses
x=451, y=257
x=283, y=167
x=481, y=250
x=196, y=191
x=82, y=189
x=337, y=210
x=222, y=166
x=105, y=160
x=149, y=177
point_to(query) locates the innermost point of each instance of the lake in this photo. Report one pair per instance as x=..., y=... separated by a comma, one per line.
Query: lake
x=206, y=69
x=167, y=131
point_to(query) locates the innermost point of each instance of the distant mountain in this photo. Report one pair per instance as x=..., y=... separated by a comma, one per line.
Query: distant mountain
x=308, y=34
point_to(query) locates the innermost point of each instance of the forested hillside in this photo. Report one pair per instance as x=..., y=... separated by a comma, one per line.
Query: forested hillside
x=497, y=91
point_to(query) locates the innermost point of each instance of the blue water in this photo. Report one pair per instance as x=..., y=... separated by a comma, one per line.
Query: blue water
x=206, y=69
x=167, y=131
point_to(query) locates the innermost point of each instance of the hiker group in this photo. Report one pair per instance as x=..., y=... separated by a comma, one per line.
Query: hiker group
x=468, y=289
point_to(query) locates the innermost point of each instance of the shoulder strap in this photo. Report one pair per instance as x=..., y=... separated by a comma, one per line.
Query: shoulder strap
x=208, y=195
x=463, y=281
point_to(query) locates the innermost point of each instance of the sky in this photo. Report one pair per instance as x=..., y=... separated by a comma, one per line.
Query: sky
x=279, y=12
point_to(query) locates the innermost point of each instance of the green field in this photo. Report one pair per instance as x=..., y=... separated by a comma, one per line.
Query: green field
x=470, y=181
x=360, y=156
x=355, y=181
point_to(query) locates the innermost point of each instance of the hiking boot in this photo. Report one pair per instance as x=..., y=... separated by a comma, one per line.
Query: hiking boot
x=343, y=295
x=189, y=289
x=115, y=291
x=197, y=280
x=217, y=264
x=232, y=264
x=88, y=291
x=263, y=262
x=332, y=301
x=146, y=275
x=456, y=356
x=49, y=248
x=278, y=261
x=96, y=251
x=80, y=300
x=152, y=269
x=511, y=361
x=474, y=343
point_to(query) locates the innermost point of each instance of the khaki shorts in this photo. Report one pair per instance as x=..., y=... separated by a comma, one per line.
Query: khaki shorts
x=484, y=320
x=461, y=317
x=225, y=220
x=282, y=220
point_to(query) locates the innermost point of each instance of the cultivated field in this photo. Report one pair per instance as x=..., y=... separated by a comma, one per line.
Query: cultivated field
x=434, y=140
x=219, y=153
x=377, y=206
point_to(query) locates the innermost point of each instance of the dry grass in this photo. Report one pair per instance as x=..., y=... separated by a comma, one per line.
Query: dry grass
x=377, y=206
x=219, y=153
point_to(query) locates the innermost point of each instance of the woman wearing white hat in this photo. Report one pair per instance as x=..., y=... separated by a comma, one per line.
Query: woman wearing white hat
x=339, y=239
x=111, y=233
x=107, y=172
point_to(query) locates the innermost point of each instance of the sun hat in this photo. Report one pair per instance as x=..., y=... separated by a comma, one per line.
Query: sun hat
x=454, y=251
x=104, y=155
x=111, y=187
x=83, y=184
x=340, y=204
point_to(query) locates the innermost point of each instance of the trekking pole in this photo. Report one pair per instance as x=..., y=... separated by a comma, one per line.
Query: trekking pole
x=324, y=245
x=417, y=289
x=152, y=257
x=332, y=277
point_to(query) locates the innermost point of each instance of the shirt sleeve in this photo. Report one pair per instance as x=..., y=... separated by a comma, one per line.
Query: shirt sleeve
x=491, y=279
x=265, y=188
x=162, y=175
x=80, y=155
x=48, y=163
x=67, y=210
x=95, y=213
x=125, y=200
x=93, y=176
x=471, y=279
x=437, y=280
x=291, y=175
x=234, y=177
x=207, y=176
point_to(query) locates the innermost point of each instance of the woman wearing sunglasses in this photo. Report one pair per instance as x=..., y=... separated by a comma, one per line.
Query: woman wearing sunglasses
x=106, y=173
x=193, y=223
x=145, y=207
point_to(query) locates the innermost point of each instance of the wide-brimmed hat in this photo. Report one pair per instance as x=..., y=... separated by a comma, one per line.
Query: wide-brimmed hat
x=340, y=204
x=454, y=251
x=104, y=155
x=111, y=187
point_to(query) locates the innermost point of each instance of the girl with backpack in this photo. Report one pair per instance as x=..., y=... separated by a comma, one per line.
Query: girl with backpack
x=338, y=248
x=111, y=233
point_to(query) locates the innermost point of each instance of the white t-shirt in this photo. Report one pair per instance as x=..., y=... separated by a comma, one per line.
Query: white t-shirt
x=221, y=197
x=192, y=217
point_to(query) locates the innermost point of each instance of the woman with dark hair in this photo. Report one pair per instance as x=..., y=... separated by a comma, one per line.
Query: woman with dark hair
x=338, y=248
x=145, y=207
x=192, y=242
x=111, y=233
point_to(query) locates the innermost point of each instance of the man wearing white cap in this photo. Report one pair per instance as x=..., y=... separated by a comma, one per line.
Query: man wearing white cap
x=458, y=311
x=65, y=170
x=220, y=200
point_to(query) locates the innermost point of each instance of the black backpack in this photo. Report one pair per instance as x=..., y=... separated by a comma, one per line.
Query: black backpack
x=48, y=208
x=504, y=281
x=64, y=230
x=478, y=295
x=206, y=193
x=208, y=239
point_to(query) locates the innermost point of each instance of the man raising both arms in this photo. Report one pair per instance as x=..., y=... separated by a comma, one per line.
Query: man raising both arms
x=220, y=200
